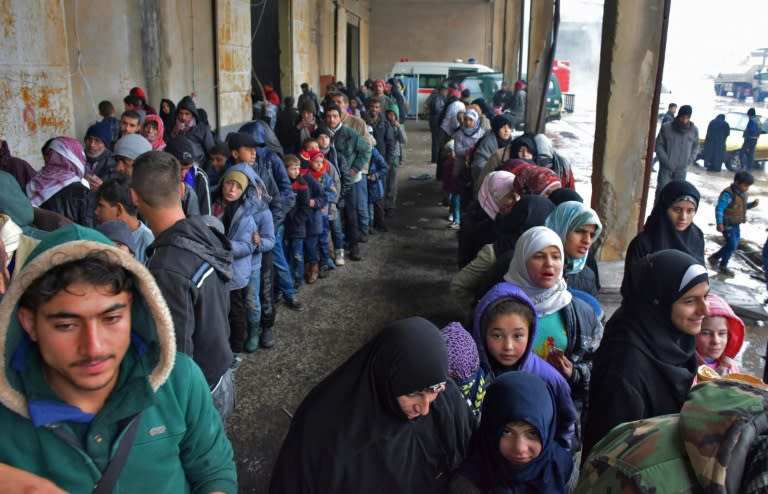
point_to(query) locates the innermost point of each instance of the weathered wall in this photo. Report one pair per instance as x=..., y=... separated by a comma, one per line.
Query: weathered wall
x=233, y=55
x=459, y=29
x=34, y=76
x=632, y=31
x=313, y=41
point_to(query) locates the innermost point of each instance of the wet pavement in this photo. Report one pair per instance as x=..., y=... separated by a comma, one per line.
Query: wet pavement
x=406, y=272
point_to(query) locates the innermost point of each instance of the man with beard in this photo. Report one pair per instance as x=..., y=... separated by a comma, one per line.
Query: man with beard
x=98, y=154
x=676, y=147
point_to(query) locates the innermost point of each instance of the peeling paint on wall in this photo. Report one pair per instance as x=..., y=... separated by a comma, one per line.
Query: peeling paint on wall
x=233, y=44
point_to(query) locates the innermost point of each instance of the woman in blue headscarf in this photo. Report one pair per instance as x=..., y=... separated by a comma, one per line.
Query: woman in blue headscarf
x=578, y=226
x=514, y=450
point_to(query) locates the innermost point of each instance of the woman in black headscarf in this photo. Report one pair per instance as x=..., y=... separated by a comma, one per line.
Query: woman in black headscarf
x=670, y=225
x=388, y=420
x=647, y=360
x=168, y=114
x=500, y=137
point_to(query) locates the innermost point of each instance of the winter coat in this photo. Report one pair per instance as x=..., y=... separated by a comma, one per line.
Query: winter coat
x=377, y=173
x=180, y=443
x=567, y=416
x=483, y=150
x=436, y=106
x=201, y=189
x=718, y=131
x=385, y=138
x=355, y=150
x=265, y=225
x=270, y=164
x=717, y=443
x=677, y=149
x=200, y=135
x=263, y=133
x=345, y=180
x=71, y=202
x=285, y=129
x=731, y=208
x=304, y=220
x=192, y=264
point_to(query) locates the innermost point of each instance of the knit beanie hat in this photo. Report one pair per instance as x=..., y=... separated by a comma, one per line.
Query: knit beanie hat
x=131, y=146
x=463, y=359
x=236, y=176
x=182, y=149
x=101, y=130
x=685, y=110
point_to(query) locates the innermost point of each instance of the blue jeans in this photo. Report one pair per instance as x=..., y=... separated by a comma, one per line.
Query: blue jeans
x=310, y=248
x=337, y=232
x=363, y=217
x=455, y=199
x=732, y=237
x=296, y=259
x=281, y=267
x=253, y=301
x=323, y=244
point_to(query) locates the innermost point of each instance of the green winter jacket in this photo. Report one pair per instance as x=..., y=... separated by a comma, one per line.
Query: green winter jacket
x=717, y=444
x=180, y=443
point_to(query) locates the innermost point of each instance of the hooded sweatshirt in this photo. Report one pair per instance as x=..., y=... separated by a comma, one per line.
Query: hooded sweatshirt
x=726, y=364
x=529, y=361
x=193, y=264
x=180, y=445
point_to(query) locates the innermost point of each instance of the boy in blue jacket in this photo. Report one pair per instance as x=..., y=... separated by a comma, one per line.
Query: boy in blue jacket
x=730, y=212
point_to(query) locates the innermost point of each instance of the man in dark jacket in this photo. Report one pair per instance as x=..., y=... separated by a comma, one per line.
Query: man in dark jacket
x=196, y=199
x=751, y=134
x=285, y=127
x=718, y=131
x=189, y=124
x=436, y=105
x=192, y=264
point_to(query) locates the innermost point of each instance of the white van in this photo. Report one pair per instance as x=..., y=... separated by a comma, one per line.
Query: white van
x=430, y=74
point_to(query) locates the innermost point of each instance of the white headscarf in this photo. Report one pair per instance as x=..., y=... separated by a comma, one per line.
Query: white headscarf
x=10, y=233
x=545, y=300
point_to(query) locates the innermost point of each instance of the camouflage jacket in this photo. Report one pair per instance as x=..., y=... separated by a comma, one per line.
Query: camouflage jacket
x=717, y=444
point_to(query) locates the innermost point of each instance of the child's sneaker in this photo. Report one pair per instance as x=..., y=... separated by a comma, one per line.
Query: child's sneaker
x=454, y=226
x=340, y=257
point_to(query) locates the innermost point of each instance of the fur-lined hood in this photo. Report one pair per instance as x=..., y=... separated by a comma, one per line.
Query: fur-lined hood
x=151, y=319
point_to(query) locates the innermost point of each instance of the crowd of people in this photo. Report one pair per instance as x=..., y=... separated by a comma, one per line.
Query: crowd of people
x=141, y=264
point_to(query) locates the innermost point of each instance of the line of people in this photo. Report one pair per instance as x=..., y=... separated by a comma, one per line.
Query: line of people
x=150, y=238
x=530, y=397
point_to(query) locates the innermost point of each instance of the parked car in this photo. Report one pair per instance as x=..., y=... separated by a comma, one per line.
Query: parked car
x=485, y=86
x=738, y=122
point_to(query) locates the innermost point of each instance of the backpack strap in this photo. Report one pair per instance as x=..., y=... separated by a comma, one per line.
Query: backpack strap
x=109, y=478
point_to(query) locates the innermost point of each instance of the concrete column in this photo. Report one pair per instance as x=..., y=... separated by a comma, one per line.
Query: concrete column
x=513, y=37
x=325, y=27
x=364, y=50
x=540, y=38
x=341, y=43
x=284, y=14
x=150, y=47
x=629, y=69
x=233, y=56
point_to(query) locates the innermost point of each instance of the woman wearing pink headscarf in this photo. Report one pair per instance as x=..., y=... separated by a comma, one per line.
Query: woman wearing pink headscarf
x=496, y=196
x=60, y=186
x=153, y=130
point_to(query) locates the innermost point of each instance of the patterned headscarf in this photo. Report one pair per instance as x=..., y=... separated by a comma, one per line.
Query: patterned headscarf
x=463, y=359
x=495, y=186
x=64, y=164
x=536, y=180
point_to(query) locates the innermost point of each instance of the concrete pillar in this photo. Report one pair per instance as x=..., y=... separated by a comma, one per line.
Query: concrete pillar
x=150, y=47
x=341, y=43
x=540, y=39
x=233, y=57
x=325, y=27
x=513, y=37
x=364, y=50
x=284, y=14
x=633, y=32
